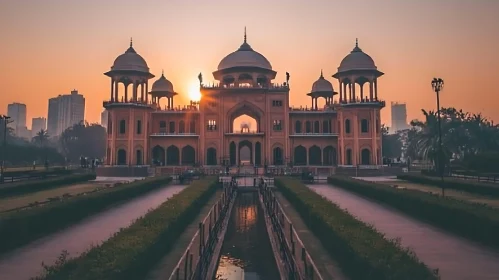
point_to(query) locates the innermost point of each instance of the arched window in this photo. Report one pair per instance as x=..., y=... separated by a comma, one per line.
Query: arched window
x=162, y=127
x=298, y=126
x=326, y=126
x=122, y=127
x=308, y=127
x=347, y=126
x=364, y=126
x=172, y=127
x=181, y=127
x=139, y=127
x=316, y=126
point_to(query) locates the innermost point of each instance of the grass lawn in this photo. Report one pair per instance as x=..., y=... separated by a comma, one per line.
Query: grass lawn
x=456, y=194
x=30, y=168
x=14, y=202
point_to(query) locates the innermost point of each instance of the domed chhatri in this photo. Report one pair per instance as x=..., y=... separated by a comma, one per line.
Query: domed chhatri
x=245, y=56
x=162, y=85
x=357, y=60
x=322, y=85
x=130, y=61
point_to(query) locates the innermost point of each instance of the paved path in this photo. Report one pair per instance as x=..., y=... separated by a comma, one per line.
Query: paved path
x=328, y=267
x=455, y=257
x=25, y=262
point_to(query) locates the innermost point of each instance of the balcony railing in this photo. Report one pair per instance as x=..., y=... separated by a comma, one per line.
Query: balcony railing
x=249, y=133
x=313, y=134
x=177, y=134
x=246, y=86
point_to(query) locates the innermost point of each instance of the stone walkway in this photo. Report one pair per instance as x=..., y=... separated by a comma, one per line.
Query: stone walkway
x=328, y=267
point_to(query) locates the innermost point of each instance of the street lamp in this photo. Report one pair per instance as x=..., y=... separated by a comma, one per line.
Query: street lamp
x=438, y=85
x=6, y=121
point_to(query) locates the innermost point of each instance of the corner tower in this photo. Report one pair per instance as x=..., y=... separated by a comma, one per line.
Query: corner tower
x=129, y=110
x=359, y=109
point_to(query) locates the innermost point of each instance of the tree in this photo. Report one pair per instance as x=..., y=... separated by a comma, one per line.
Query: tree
x=83, y=139
x=41, y=138
x=392, y=144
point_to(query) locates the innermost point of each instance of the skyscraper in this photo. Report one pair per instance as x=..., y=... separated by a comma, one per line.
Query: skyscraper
x=17, y=113
x=64, y=112
x=399, y=117
x=38, y=124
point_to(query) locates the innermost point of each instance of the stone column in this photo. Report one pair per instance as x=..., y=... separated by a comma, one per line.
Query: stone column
x=112, y=89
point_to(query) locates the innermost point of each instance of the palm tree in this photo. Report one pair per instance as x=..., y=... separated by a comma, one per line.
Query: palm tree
x=41, y=139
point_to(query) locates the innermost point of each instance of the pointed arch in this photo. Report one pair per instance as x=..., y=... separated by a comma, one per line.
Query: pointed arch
x=188, y=155
x=172, y=155
x=315, y=156
x=300, y=155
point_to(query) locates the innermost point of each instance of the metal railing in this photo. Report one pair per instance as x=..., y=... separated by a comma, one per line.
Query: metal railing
x=298, y=263
x=197, y=257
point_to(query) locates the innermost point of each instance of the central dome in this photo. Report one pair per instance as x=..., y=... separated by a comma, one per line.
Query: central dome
x=245, y=56
x=130, y=61
x=357, y=60
x=322, y=85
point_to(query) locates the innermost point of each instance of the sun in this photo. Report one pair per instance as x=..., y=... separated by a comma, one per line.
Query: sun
x=194, y=93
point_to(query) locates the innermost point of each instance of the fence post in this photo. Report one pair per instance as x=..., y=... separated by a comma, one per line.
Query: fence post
x=186, y=265
x=190, y=264
x=200, y=239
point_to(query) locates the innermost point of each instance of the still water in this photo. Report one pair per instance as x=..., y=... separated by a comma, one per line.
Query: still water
x=246, y=252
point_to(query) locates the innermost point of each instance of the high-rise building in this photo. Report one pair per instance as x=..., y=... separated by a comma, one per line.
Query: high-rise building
x=64, y=112
x=17, y=113
x=38, y=124
x=104, y=118
x=399, y=117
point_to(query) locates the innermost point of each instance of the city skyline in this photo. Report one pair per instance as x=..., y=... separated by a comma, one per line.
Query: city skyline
x=410, y=48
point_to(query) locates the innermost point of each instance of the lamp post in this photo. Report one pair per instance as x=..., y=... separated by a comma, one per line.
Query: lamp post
x=6, y=121
x=438, y=84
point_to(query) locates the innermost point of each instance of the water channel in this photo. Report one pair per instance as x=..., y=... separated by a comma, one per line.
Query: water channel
x=25, y=262
x=246, y=251
x=455, y=257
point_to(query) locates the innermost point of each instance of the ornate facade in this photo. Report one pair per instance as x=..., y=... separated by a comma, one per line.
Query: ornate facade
x=346, y=131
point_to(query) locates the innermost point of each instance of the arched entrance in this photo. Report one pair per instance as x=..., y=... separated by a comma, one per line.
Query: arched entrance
x=314, y=154
x=138, y=157
x=158, y=155
x=365, y=155
x=188, y=155
x=245, y=152
x=258, y=153
x=211, y=156
x=329, y=156
x=121, y=158
x=277, y=156
x=253, y=114
x=300, y=155
x=232, y=153
x=349, y=157
x=172, y=155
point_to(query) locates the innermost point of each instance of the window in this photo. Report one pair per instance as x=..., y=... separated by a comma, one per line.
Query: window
x=316, y=127
x=172, y=127
x=162, y=127
x=347, y=126
x=122, y=127
x=212, y=125
x=308, y=127
x=277, y=125
x=192, y=127
x=298, y=127
x=326, y=124
x=139, y=127
x=181, y=127
x=277, y=103
x=364, y=126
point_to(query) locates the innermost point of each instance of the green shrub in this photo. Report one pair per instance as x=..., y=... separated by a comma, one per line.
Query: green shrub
x=132, y=252
x=470, y=186
x=472, y=220
x=19, y=228
x=25, y=187
x=362, y=252
x=40, y=172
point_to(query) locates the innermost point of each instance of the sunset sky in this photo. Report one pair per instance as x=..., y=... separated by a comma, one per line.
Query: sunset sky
x=49, y=47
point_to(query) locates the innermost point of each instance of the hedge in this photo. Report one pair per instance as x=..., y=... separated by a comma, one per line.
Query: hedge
x=41, y=171
x=362, y=251
x=25, y=187
x=132, y=252
x=475, y=221
x=20, y=228
x=470, y=186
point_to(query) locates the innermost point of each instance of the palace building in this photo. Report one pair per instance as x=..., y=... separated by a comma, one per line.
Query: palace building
x=345, y=132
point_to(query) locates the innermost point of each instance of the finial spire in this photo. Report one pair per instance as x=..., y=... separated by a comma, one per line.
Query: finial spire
x=356, y=42
x=322, y=76
x=131, y=42
x=245, y=37
x=162, y=72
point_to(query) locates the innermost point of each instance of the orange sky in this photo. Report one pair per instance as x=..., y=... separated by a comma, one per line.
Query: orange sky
x=50, y=47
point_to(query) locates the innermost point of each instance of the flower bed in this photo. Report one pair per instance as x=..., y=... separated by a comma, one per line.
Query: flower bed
x=470, y=186
x=25, y=187
x=472, y=220
x=362, y=252
x=19, y=228
x=133, y=251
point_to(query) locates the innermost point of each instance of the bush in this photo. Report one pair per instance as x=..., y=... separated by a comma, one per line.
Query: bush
x=472, y=220
x=362, y=252
x=22, y=227
x=132, y=252
x=451, y=183
x=25, y=187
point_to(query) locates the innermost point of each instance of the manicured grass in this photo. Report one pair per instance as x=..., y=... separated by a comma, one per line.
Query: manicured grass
x=46, y=196
x=475, y=221
x=26, y=187
x=130, y=253
x=489, y=189
x=20, y=228
x=363, y=252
